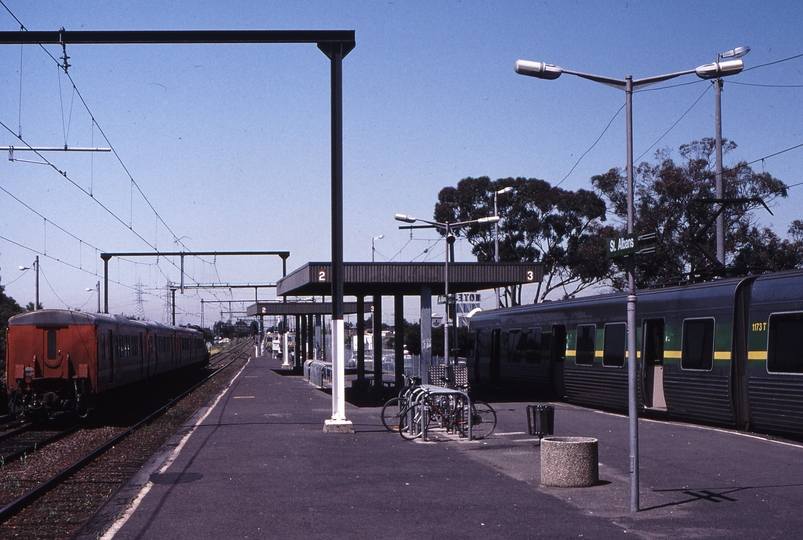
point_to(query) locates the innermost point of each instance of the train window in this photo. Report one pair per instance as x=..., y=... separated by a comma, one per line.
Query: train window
x=558, y=343
x=504, y=345
x=785, y=342
x=533, y=346
x=586, y=344
x=52, y=349
x=484, y=339
x=698, y=344
x=515, y=342
x=613, y=354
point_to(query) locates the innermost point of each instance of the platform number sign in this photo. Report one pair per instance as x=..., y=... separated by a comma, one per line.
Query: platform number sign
x=322, y=276
x=529, y=275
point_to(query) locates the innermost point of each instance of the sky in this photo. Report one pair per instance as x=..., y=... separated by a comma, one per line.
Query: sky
x=227, y=147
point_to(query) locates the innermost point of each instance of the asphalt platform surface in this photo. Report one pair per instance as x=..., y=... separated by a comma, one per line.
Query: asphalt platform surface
x=257, y=464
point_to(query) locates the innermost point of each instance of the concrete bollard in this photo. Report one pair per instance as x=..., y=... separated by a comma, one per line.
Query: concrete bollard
x=569, y=462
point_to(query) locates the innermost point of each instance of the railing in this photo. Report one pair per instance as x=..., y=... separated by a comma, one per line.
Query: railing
x=318, y=372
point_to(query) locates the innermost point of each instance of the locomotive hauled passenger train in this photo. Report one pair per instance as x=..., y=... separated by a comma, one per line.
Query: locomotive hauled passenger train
x=60, y=360
x=727, y=352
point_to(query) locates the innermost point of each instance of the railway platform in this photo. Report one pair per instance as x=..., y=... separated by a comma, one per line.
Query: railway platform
x=256, y=463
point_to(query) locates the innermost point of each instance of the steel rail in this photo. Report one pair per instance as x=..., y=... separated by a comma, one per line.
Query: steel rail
x=22, y=502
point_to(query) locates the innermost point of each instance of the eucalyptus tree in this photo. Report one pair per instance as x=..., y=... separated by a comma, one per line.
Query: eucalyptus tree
x=677, y=201
x=539, y=223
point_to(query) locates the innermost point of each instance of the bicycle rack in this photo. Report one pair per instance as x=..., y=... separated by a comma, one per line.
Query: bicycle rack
x=419, y=416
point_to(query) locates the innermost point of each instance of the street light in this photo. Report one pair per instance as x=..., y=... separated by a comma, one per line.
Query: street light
x=502, y=191
x=35, y=266
x=97, y=288
x=542, y=70
x=738, y=52
x=447, y=227
x=373, y=249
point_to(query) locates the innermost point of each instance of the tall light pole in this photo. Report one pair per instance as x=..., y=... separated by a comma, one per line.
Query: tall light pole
x=35, y=266
x=738, y=52
x=447, y=228
x=173, y=303
x=502, y=191
x=373, y=249
x=550, y=72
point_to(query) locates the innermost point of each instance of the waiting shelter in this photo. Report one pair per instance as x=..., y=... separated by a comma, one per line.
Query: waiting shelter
x=400, y=279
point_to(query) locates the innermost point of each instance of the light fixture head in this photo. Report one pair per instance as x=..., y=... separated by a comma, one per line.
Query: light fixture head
x=489, y=219
x=405, y=218
x=719, y=69
x=738, y=52
x=540, y=70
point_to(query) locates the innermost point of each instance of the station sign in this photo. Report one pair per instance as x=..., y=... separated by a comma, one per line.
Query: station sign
x=621, y=246
x=631, y=244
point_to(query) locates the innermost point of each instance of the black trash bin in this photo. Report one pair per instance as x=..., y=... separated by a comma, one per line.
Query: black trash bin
x=540, y=420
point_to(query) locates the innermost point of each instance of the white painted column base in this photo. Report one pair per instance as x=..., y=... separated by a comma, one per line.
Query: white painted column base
x=338, y=422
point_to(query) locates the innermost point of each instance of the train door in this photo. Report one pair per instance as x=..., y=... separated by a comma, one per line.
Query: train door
x=55, y=339
x=496, y=346
x=741, y=315
x=557, y=355
x=652, y=364
x=112, y=343
x=143, y=354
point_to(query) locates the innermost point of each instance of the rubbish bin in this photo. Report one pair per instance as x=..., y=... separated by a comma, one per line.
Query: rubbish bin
x=569, y=462
x=540, y=420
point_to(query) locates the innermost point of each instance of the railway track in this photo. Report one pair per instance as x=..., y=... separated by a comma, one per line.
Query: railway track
x=32, y=436
x=84, y=449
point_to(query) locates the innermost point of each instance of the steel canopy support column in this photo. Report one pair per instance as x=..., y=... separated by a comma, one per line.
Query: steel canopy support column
x=298, y=343
x=398, y=314
x=105, y=258
x=361, y=342
x=426, y=332
x=338, y=422
x=377, y=318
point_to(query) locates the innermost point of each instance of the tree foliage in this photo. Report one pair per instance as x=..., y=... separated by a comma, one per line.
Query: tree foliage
x=539, y=223
x=8, y=308
x=676, y=202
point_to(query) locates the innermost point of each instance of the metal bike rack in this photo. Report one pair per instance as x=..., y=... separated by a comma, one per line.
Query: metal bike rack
x=433, y=390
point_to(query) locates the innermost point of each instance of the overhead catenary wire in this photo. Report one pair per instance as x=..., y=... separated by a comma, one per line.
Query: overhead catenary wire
x=63, y=67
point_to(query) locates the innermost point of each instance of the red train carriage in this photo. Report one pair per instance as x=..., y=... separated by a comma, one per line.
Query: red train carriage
x=61, y=360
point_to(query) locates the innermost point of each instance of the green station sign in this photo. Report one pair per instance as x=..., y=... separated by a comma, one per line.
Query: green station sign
x=631, y=244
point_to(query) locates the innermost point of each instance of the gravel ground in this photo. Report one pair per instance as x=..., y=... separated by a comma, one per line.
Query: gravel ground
x=63, y=511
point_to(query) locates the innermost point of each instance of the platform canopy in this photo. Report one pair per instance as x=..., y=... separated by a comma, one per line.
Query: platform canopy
x=268, y=309
x=407, y=278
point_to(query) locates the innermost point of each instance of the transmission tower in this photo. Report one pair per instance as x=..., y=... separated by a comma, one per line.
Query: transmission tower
x=140, y=310
x=168, y=312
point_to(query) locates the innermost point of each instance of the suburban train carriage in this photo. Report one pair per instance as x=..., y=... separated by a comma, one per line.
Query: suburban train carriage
x=572, y=349
x=60, y=359
x=691, y=359
x=775, y=353
x=510, y=350
x=685, y=361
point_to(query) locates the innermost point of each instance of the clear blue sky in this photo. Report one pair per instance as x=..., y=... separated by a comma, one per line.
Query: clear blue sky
x=230, y=143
